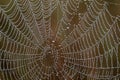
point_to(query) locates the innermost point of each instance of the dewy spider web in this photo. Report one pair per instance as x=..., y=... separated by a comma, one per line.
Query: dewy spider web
x=59, y=40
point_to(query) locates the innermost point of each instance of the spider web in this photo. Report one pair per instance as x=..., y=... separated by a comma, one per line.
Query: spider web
x=59, y=40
